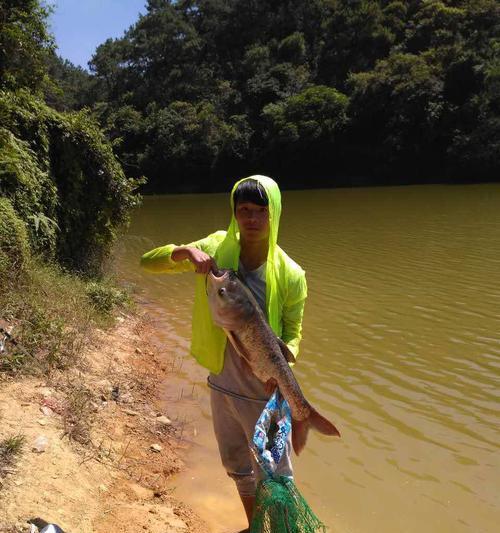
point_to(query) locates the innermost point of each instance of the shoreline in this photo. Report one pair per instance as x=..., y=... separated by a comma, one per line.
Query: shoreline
x=110, y=448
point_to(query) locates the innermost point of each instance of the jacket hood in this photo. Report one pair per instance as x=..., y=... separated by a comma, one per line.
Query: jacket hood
x=274, y=198
x=228, y=253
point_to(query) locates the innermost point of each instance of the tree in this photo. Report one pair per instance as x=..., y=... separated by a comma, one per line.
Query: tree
x=305, y=128
x=186, y=141
x=25, y=43
x=396, y=90
x=396, y=111
x=71, y=87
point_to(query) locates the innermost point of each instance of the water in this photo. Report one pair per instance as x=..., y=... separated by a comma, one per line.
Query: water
x=401, y=349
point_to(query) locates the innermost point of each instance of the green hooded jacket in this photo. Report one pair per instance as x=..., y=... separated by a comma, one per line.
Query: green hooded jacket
x=286, y=288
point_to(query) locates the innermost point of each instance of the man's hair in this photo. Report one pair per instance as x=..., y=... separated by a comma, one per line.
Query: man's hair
x=250, y=191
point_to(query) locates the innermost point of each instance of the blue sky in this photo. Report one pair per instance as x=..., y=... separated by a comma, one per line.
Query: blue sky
x=80, y=26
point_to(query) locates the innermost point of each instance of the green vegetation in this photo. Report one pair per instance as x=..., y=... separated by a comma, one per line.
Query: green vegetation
x=324, y=92
x=52, y=314
x=63, y=199
x=63, y=180
x=14, y=243
x=25, y=43
x=10, y=449
x=104, y=296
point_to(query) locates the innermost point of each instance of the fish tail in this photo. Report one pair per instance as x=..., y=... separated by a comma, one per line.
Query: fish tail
x=300, y=429
x=321, y=424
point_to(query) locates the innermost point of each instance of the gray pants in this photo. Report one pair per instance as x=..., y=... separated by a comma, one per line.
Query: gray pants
x=234, y=421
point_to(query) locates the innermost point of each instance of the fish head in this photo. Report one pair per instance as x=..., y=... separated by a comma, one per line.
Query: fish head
x=229, y=300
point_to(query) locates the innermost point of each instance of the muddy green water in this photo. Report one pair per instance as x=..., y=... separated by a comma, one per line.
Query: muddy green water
x=401, y=349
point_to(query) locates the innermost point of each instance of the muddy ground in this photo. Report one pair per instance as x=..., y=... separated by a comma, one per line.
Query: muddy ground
x=106, y=444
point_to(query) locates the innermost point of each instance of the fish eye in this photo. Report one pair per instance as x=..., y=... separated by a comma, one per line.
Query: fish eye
x=221, y=291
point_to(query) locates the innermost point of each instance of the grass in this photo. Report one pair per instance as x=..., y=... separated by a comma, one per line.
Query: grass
x=12, y=446
x=78, y=415
x=52, y=314
x=10, y=449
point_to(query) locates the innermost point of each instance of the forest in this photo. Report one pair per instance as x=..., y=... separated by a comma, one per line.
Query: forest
x=316, y=93
x=320, y=93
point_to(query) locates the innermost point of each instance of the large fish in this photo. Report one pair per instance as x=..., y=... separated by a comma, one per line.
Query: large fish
x=235, y=309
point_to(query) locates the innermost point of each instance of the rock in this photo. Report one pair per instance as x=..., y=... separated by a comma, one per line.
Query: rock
x=138, y=351
x=105, y=385
x=141, y=493
x=47, y=411
x=126, y=397
x=57, y=406
x=164, y=421
x=103, y=488
x=115, y=393
x=45, y=392
x=130, y=412
x=41, y=444
x=156, y=448
x=42, y=422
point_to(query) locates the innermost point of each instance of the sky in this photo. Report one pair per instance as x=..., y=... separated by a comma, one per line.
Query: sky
x=79, y=26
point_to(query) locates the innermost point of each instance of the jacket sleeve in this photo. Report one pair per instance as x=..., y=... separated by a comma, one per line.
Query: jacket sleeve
x=159, y=260
x=293, y=312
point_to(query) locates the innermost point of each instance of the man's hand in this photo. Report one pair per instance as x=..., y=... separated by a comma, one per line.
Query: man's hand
x=202, y=262
x=270, y=385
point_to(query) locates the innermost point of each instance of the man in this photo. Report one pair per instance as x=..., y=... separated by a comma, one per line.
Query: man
x=279, y=286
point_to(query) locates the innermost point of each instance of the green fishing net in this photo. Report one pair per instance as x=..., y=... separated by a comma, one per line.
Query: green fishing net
x=279, y=506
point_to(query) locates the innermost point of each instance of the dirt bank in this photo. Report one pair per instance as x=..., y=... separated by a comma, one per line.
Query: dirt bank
x=108, y=445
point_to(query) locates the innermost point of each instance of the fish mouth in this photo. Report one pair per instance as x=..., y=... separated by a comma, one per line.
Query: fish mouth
x=218, y=274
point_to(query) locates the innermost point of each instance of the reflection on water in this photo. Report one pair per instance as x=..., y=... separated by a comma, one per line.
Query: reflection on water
x=401, y=349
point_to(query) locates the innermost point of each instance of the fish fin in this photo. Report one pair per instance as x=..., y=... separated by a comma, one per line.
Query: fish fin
x=321, y=424
x=300, y=430
x=290, y=358
x=238, y=346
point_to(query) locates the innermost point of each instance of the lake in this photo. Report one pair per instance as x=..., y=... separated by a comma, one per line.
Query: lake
x=401, y=349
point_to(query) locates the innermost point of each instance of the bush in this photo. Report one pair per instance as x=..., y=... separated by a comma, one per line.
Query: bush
x=52, y=314
x=63, y=180
x=104, y=297
x=25, y=181
x=14, y=243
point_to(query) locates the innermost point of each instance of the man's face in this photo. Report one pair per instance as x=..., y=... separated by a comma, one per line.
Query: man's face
x=253, y=221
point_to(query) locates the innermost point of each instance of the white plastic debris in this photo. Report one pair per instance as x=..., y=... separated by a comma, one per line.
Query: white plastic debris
x=52, y=528
x=41, y=444
x=163, y=420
